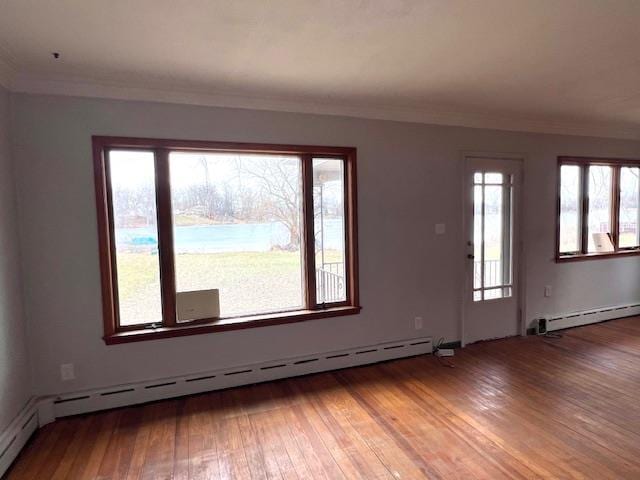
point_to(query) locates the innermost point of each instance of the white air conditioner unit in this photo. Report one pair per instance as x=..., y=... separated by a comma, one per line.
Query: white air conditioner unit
x=197, y=305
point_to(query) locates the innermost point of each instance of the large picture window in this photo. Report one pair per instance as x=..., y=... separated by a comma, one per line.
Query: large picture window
x=598, y=214
x=262, y=234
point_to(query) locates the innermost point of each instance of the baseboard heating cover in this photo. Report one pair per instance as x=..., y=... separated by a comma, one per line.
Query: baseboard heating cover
x=43, y=410
x=130, y=394
x=13, y=438
x=586, y=317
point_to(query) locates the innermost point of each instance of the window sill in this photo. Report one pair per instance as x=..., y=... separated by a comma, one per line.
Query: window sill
x=595, y=256
x=224, y=325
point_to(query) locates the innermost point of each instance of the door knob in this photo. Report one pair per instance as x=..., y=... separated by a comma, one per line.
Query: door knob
x=470, y=256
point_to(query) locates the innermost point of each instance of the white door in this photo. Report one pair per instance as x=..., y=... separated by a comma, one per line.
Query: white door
x=491, y=217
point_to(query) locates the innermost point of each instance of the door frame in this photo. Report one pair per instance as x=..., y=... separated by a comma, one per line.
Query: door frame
x=464, y=264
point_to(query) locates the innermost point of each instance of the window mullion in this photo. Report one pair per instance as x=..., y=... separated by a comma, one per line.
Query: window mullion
x=482, y=217
x=107, y=243
x=585, y=209
x=615, y=207
x=165, y=238
x=638, y=212
x=349, y=266
x=308, y=228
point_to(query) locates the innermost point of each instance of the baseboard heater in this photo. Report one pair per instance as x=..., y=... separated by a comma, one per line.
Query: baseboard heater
x=15, y=436
x=130, y=394
x=586, y=317
x=43, y=410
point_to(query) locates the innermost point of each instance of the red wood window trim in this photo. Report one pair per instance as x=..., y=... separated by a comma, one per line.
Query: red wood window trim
x=114, y=333
x=584, y=163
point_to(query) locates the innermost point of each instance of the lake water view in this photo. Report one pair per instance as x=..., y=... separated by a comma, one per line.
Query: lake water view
x=233, y=237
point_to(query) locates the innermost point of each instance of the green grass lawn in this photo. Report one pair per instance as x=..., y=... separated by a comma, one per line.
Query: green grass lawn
x=249, y=282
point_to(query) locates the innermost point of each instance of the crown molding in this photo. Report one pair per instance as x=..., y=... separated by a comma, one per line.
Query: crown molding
x=32, y=84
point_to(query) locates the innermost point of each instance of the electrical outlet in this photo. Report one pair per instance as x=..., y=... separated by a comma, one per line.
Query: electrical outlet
x=440, y=228
x=547, y=290
x=418, y=323
x=67, y=372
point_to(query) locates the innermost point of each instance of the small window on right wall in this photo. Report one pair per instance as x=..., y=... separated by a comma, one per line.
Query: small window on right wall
x=598, y=208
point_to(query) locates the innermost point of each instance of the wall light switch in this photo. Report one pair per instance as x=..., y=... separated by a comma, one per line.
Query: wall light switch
x=67, y=372
x=547, y=290
x=418, y=323
x=440, y=228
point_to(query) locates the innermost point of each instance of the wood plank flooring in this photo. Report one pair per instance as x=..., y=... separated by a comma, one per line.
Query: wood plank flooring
x=517, y=408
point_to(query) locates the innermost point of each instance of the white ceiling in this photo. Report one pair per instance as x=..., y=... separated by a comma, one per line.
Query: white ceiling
x=567, y=66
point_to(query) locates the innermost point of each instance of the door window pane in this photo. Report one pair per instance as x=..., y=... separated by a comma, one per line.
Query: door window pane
x=492, y=236
x=477, y=236
x=493, y=178
x=329, y=229
x=570, y=209
x=237, y=228
x=133, y=191
x=629, y=202
x=600, y=209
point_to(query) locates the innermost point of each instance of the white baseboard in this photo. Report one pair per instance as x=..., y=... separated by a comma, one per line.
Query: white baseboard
x=135, y=393
x=15, y=436
x=586, y=317
x=43, y=410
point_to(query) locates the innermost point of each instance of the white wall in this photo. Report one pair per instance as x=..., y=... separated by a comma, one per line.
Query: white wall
x=409, y=178
x=15, y=378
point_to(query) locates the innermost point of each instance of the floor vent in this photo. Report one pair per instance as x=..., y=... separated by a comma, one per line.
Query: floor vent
x=586, y=317
x=122, y=395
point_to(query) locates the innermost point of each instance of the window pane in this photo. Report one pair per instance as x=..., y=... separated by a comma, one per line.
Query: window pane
x=600, y=209
x=136, y=236
x=329, y=229
x=493, y=252
x=477, y=236
x=237, y=228
x=493, y=178
x=570, y=208
x=492, y=237
x=629, y=201
x=494, y=293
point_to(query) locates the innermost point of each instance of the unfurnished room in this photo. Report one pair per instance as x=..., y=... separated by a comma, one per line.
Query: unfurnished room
x=330, y=239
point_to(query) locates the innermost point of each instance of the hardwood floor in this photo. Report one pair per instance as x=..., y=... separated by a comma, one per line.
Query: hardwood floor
x=517, y=408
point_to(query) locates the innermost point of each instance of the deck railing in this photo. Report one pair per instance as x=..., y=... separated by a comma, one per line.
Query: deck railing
x=492, y=273
x=330, y=282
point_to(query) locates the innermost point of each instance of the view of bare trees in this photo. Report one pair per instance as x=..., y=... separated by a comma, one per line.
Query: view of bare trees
x=249, y=190
x=278, y=193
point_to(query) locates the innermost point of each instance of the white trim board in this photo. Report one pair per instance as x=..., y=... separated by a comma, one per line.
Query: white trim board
x=587, y=317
